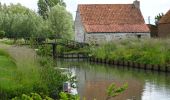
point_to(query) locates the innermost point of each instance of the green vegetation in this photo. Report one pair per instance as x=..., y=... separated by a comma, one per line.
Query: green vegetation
x=33, y=96
x=151, y=51
x=44, y=6
x=19, y=22
x=22, y=72
x=7, y=71
x=66, y=96
x=53, y=79
x=158, y=17
x=19, y=72
x=2, y=34
x=61, y=22
x=11, y=42
x=113, y=91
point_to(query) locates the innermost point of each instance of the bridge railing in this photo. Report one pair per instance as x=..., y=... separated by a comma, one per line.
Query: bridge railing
x=60, y=41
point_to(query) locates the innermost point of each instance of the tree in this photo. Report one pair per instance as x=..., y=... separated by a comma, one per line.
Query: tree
x=0, y=6
x=158, y=17
x=12, y=19
x=61, y=22
x=19, y=22
x=52, y=3
x=2, y=34
x=44, y=6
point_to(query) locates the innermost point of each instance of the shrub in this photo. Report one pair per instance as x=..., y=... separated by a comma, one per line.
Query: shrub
x=53, y=79
x=32, y=96
x=2, y=34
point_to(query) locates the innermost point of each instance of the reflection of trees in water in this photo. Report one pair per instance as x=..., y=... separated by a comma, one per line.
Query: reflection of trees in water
x=95, y=78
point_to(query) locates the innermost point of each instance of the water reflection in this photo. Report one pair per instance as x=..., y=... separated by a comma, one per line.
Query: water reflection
x=93, y=79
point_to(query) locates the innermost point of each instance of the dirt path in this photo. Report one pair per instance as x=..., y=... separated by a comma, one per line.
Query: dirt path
x=19, y=53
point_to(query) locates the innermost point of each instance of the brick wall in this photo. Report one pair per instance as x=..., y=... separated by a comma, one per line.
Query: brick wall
x=153, y=30
x=164, y=30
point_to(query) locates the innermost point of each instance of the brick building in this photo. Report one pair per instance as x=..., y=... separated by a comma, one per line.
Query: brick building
x=153, y=30
x=164, y=26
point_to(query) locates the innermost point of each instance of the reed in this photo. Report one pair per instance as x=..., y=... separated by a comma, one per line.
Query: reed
x=147, y=51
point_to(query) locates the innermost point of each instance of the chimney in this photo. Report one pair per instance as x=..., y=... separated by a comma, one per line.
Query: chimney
x=136, y=4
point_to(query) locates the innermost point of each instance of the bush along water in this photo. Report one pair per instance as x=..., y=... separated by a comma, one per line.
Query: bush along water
x=53, y=79
x=151, y=51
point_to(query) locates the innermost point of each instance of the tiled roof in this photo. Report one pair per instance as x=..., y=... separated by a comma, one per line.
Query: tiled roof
x=112, y=18
x=166, y=18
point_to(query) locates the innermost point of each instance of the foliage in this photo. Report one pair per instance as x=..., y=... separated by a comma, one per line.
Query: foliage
x=158, y=17
x=2, y=34
x=11, y=42
x=113, y=91
x=26, y=74
x=20, y=75
x=52, y=78
x=66, y=96
x=18, y=21
x=44, y=50
x=152, y=51
x=33, y=96
x=44, y=6
x=61, y=26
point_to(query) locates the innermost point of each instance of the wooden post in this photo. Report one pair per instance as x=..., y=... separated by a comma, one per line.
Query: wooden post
x=54, y=50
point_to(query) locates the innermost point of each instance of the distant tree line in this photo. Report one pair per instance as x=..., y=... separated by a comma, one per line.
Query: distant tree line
x=17, y=21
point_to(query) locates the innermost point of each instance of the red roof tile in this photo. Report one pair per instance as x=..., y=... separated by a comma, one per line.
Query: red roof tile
x=112, y=18
x=166, y=18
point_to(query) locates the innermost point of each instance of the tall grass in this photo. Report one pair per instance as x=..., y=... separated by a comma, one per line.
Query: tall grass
x=19, y=72
x=24, y=72
x=7, y=71
x=150, y=51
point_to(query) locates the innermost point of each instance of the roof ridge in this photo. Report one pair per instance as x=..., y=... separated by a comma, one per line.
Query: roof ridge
x=106, y=4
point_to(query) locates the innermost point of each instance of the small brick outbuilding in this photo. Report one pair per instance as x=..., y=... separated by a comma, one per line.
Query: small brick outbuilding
x=164, y=26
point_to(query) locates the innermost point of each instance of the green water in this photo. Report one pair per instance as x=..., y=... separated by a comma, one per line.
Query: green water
x=93, y=79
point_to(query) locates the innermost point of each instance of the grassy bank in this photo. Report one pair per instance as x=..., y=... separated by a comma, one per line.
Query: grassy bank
x=18, y=71
x=23, y=72
x=151, y=51
x=7, y=71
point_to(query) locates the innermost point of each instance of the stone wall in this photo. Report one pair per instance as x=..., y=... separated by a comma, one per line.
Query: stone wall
x=82, y=36
x=79, y=29
x=106, y=37
x=164, y=30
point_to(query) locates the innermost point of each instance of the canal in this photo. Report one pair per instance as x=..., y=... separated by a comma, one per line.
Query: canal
x=93, y=79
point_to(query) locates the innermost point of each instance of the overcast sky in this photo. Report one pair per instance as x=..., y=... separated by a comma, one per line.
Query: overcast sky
x=148, y=7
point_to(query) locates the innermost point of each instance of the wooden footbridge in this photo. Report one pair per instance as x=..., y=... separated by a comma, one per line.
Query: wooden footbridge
x=67, y=43
x=63, y=42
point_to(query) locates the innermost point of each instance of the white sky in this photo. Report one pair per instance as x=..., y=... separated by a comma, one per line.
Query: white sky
x=148, y=7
